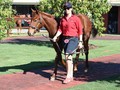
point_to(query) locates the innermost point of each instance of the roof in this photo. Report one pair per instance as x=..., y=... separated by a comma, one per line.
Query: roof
x=26, y=2
x=114, y=2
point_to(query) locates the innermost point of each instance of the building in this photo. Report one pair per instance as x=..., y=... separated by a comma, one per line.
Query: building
x=23, y=10
x=24, y=6
x=112, y=19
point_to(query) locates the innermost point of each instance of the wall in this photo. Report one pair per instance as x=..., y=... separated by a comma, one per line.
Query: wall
x=119, y=20
x=105, y=16
x=26, y=2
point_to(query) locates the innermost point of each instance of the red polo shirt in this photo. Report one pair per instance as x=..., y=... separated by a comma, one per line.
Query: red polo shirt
x=71, y=27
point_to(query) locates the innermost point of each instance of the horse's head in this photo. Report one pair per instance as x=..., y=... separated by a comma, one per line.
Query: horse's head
x=40, y=19
x=36, y=23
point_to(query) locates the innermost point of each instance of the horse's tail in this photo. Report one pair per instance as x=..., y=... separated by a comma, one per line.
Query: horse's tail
x=94, y=31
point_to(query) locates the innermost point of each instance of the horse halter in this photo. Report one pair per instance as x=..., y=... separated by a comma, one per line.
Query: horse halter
x=38, y=21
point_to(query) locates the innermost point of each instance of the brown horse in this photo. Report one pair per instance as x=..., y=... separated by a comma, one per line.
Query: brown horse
x=18, y=22
x=40, y=19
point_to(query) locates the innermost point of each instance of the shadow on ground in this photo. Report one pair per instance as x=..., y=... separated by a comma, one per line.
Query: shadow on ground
x=97, y=70
x=28, y=41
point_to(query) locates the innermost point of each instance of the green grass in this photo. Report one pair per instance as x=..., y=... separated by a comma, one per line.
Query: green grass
x=111, y=83
x=105, y=47
x=17, y=57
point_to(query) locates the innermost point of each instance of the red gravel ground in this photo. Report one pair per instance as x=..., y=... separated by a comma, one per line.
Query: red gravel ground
x=100, y=68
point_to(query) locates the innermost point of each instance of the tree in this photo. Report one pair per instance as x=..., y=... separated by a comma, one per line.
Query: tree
x=6, y=12
x=94, y=9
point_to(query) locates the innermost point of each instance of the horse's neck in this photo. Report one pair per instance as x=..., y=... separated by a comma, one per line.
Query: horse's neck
x=50, y=24
x=48, y=15
x=58, y=21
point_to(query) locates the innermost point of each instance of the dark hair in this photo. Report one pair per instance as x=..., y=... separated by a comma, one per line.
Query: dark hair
x=66, y=14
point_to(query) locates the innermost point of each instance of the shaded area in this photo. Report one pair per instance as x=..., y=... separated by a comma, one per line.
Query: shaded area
x=38, y=41
x=28, y=66
x=107, y=37
x=100, y=69
x=97, y=70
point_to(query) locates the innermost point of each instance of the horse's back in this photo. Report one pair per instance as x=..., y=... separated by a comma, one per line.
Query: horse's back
x=87, y=25
x=85, y=22
x=17, y=20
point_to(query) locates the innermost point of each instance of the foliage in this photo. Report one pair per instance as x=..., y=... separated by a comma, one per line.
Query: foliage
x=5, y=13
x=93, y=8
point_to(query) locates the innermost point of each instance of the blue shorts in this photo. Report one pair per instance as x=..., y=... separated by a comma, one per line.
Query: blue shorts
x=70, y=44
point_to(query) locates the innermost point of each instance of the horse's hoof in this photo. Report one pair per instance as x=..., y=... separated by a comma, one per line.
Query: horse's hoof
x=52, y=78
x=75, y=69
x=86, y=70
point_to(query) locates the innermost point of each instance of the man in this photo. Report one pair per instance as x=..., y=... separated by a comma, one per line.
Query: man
x=71, y=30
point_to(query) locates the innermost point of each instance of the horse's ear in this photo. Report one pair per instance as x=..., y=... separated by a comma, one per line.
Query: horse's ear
x=37, y=11
x=33, y=10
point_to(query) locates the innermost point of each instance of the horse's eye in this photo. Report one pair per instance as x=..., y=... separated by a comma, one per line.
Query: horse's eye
x=35, y=20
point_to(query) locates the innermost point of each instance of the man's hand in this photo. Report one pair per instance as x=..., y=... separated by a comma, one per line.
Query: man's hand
x=54, y=39
x=80, y=45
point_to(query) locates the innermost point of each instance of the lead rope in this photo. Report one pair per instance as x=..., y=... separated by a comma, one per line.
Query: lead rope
x=73, y=52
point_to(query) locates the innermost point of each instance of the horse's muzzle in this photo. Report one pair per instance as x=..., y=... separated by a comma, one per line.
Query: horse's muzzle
x=29, y=34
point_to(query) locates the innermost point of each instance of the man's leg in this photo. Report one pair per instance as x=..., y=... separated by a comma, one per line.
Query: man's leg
x=69, y=68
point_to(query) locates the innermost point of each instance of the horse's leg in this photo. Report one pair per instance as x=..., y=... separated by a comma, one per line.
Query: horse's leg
x=18, y=30
x=8, y=32
x=76, y=61
x=86, y=50
x=57, y=59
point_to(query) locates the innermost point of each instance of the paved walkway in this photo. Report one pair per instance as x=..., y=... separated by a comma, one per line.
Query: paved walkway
x=100, y=68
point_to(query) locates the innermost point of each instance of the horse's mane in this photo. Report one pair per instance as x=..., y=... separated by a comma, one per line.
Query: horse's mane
x=46, y=14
